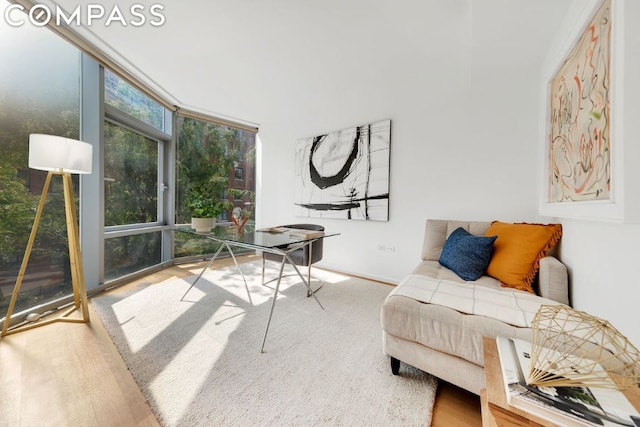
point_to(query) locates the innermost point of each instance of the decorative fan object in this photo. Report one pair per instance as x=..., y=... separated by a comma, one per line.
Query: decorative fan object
x=573, y=348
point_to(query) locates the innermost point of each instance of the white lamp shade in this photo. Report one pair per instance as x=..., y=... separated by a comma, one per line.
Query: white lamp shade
x=55, y=153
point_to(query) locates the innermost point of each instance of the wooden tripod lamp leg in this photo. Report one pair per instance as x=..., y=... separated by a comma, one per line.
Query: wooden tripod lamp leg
x=75, y=259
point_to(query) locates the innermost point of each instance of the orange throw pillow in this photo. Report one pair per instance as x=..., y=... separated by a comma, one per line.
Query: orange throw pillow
x=517, y=251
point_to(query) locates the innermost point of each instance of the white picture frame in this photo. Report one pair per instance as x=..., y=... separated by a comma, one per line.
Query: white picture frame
x=613, y=208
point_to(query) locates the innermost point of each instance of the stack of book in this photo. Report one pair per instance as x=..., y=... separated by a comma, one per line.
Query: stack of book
x=273, y=230
x=305, y=234
x=565, y=406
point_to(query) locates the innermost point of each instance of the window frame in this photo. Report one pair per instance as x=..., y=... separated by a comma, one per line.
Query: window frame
x=162, y=187
x=164, y=179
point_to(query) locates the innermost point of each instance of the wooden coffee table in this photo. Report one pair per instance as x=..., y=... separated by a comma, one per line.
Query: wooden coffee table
x=496, y=410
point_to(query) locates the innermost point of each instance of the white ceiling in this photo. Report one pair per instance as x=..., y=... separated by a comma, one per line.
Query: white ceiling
x=229, y=57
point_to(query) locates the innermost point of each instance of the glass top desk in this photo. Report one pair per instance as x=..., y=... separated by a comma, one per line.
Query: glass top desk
x=277, y=240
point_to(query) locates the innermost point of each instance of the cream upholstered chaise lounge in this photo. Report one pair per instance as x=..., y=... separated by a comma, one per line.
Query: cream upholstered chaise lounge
x=434, y=320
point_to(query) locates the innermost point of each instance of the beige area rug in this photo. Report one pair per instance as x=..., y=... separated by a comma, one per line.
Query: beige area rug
x=198, y=361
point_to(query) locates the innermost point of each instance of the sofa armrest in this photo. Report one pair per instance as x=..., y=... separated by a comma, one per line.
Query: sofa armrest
x=553, y=280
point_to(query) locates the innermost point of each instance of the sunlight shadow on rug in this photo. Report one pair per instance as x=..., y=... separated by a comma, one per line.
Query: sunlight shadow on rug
x=198, y=361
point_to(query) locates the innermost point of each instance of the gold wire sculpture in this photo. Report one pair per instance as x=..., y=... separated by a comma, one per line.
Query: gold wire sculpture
x=573, y=348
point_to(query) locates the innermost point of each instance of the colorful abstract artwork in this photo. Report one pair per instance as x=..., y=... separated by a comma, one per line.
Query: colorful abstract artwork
x=580, y=117
x=344, y=174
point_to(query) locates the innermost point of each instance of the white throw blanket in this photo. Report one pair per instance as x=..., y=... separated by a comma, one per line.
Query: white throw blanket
x=511, y=306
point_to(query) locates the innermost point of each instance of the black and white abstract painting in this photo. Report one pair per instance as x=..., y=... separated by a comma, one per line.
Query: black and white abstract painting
x=344, y=174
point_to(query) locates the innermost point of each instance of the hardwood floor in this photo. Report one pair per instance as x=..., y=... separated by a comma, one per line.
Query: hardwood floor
x=456, y=407
x=71, y=374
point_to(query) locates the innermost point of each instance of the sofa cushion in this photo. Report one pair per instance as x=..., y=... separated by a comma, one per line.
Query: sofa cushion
x=467, y=255
x=510, y=306
x=517, y=251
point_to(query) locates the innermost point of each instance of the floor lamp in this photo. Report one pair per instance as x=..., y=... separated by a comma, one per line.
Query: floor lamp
x=58, y=156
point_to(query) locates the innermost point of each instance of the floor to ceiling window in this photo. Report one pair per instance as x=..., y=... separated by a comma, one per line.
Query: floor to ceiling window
x=216, y=167
x=131, y=200
x=135, y=145
x=39, y=93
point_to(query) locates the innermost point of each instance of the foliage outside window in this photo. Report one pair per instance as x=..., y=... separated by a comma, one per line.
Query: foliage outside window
x=128, y=254
x=39, y=93
x=131, y=177
x=207, y=157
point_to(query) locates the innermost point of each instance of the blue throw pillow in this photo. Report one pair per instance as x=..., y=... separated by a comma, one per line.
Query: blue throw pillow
x=467, y=255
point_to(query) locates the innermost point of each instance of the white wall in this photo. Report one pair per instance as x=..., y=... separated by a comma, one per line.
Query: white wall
x=463, y=98
x=603, y=265
x=464, y=122
x=405, y=67
x=603, y=256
